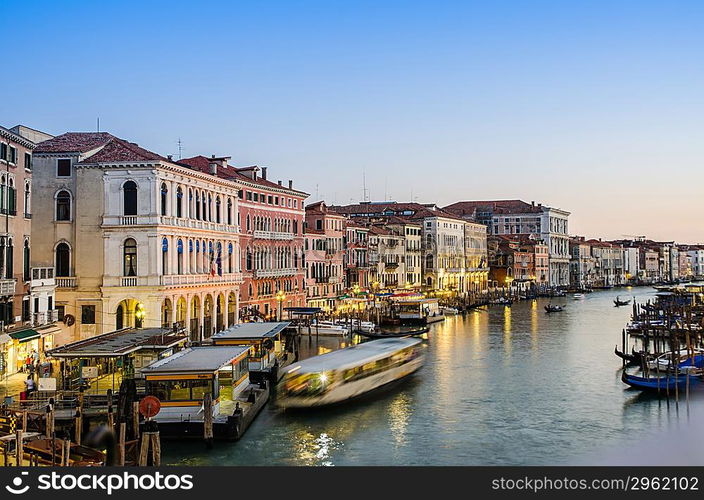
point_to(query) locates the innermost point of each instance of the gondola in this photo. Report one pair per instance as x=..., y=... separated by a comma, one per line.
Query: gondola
x=389, y=335
x=553, y=309
x=667, y=383
x=633, y=359
x=618, y=302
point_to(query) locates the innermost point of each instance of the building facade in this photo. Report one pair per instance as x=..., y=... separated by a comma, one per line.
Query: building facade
x=514, y=217
x=324, y=256
x=136, y=239
x=271, y=218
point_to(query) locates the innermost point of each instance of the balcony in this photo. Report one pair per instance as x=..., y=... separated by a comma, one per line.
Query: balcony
x=45, y=317
x=153, y=220
x=275, y=273
x=66, y=282
x=272, y=235
x=198, y=279
x=42, y=276
x=7, y=286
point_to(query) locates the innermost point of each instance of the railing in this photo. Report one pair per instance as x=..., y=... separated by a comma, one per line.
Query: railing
x=195, y=279
x=129, y=281
x=65, y=282
x=7, y=286
x=45, y=317
x=273, y=273
x=167, y=220
x=273, y=235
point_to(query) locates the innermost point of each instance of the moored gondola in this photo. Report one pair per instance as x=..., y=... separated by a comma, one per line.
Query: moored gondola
x=633, y=359
x=618, y=302
x=666, y=383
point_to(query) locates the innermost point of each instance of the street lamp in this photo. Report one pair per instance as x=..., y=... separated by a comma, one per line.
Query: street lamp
x=280, y=297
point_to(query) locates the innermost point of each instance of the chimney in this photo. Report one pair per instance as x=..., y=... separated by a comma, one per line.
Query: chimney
x=532, y=203
x=279, y=183
x=213, y=168
x=264, y=172
x=290, y=184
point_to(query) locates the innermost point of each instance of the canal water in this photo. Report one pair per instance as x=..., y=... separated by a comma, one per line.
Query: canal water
x=501, y=386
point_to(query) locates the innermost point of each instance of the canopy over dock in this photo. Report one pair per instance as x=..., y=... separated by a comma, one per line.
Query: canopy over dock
x=245, y=331
x=119, y=343
x=205, y=359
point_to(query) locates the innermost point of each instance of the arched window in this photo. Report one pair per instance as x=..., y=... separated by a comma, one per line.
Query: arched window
x=25, y=260
x=229, y=212
x=197, y=205
x=129, y=189
x=179, y=257
x=27, y=205
x=249, y=223
x=63, y=206
x=217, y=210
x=248, y=264
x=63, y=260
x=129, y=258
x=165, y=256
x=9, y=260
x=210, y=208
x=164, y=197
x=230, y=264
x=179, y=203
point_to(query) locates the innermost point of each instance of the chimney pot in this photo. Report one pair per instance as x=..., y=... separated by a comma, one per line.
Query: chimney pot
x=290, y=184
x=264, y=172
x=279, y=183
x=169, y=157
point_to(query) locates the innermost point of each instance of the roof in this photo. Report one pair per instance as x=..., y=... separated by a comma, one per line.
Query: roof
x=202, y=163
x=119, y=150
x=119, y=343
x=251, y=330
x=402, y=211
x=352, y=356
x=206, y=359
x=470, y=208
x=74, y=142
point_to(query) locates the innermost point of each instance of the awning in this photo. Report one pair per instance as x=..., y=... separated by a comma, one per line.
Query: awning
x=25, y=335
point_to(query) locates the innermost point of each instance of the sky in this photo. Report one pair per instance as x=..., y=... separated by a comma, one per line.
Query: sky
x=592, y=107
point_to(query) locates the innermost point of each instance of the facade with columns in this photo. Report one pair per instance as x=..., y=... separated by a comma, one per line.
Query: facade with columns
x=136, y=239
x=271, y=217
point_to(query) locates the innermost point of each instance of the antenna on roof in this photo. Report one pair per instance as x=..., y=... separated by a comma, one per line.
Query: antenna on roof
x=180, y=148
x=316, y=192
x=364, y=184
x=98, y=124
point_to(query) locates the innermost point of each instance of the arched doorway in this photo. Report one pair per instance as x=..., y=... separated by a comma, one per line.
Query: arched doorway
x=166, y=308
x=195, y=319
x=208, y=316
x=231, y=308
x=220, y=313
x=181, y=312
x=129, y=314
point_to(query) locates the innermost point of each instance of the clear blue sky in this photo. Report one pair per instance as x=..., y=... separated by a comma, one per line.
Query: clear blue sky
x=594, y=108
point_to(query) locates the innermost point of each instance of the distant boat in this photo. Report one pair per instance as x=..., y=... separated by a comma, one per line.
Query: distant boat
x=553, y=309
x=667, y=383
x=618, y=302
x=578, y=296
x=449, y=310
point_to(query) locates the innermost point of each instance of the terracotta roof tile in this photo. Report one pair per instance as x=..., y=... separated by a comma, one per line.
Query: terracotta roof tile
x=74, y=142
x=119, y=150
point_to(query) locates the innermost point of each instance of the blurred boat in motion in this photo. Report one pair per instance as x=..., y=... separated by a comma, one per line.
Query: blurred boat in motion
x=347, y=373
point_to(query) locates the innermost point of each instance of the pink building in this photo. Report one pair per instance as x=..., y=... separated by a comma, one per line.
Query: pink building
x=271, y=219
x=325, y=253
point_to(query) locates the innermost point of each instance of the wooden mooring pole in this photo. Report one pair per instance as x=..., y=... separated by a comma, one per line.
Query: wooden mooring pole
x=121, y=444
x=208, y=420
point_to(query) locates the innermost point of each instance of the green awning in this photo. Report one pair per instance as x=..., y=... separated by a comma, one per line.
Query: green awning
x=25, y=335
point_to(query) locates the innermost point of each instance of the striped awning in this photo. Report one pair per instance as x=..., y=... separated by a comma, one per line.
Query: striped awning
x=25, y=335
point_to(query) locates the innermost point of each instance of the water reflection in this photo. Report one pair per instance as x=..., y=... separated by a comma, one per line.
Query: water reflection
x=501, y=385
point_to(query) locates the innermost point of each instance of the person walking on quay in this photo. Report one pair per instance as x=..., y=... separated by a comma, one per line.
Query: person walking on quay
x=28, y=363
x=29, y=386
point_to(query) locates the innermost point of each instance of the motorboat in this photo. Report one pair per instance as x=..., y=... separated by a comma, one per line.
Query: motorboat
x=552, y=309
x=347, y=373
